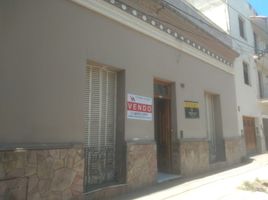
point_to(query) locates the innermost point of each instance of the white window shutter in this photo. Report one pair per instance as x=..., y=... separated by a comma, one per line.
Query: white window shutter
x=100, y=137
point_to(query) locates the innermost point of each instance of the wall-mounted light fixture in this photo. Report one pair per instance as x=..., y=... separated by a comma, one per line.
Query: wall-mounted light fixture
x=260, y=54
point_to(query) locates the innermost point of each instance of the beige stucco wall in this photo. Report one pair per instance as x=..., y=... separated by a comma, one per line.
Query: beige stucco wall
x=46, y=45
x=1, y=22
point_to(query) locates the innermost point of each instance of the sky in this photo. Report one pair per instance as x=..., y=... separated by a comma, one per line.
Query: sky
x=261, y=6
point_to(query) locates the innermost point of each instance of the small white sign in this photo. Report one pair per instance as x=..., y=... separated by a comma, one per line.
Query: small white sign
x=139, y=107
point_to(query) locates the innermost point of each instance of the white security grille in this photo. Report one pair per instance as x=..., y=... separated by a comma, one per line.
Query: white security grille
x=100, y=136
x=211, y=124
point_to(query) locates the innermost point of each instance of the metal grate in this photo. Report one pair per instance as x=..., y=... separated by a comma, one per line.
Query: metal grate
x=100, y=135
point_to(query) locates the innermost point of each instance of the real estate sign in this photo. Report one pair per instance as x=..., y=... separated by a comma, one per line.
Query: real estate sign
x=191, y=109
x=139, y=107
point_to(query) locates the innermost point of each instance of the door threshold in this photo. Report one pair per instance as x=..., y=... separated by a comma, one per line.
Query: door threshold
x=164, y=177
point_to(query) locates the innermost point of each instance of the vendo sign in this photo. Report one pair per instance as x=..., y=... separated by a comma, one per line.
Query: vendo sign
x=139, y=107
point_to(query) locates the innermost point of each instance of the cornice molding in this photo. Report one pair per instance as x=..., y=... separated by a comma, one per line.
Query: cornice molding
x=138, y=21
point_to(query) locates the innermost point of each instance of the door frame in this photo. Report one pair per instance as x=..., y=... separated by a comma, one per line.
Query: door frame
x=265, y=131
x=214, y=127
x=168, y=97
x=250, y=150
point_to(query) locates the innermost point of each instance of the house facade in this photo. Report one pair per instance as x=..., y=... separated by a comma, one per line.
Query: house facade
x=234, y=18
x=100, y=97
x=259, y=24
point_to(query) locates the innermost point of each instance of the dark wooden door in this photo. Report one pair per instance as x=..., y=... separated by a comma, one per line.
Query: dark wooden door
x=250, y=135
x=163, y=134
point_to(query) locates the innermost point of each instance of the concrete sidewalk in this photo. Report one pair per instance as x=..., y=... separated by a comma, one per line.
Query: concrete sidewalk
x=219, y=186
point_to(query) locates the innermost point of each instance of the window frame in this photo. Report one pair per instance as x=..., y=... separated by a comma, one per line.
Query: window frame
x=101, y=119
x=246, y=73
x=241, y=25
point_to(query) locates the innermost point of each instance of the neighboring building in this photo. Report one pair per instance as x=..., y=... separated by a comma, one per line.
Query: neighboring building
x=111, y=93
x=260, y=27
x=233, y=16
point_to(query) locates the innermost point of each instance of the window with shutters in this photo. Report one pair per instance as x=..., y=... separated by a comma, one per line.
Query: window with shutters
x=214, y=128
x=255, y=43
x=260, y=80
x=246, y=73
x=211, y=125
x=101, y=127
x=241, y=23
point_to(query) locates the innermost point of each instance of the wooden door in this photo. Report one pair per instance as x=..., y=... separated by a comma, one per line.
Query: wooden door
x=250, y=135
x=163, y=134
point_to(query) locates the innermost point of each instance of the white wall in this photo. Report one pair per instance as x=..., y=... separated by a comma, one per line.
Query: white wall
x=262, y=63
x=246, y=95
x=215, y=10
x=219, y=14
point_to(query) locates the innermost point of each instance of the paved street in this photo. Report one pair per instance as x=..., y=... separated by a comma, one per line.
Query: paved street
x=219, y=186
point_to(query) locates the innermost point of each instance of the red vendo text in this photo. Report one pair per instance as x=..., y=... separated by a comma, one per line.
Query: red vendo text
x=139, y=107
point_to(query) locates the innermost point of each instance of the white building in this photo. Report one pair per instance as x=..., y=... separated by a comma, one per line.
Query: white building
x=233, y=16
x=260, y=27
